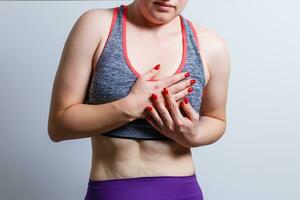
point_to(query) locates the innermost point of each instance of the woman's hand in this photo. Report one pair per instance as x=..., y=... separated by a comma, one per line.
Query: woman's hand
x=170, y=122
x=140, y=93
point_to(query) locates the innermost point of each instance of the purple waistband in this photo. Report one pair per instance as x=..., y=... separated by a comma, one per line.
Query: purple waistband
x=146, y=188
x=173, y=179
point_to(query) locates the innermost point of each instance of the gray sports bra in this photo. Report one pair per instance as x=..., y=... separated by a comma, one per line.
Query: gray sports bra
x=113, y=75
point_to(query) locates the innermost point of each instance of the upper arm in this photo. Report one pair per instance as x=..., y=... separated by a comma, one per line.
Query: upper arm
x=75, y=66
x=217, y=59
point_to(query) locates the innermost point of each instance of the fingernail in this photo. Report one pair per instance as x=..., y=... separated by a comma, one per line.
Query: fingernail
x=154, y=96
x=190, y=89
x=165, y=91
x=149, y=108
x=186, y=100
x=187, y=74
x=157, y=67
x=192, y=81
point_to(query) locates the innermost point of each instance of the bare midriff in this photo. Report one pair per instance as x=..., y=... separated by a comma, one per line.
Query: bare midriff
x=117, y=158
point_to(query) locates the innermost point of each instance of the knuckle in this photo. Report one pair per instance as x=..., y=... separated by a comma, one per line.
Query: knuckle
x=179, y=125
x=163, y=114
x=159, y=103
x=162, y=123
x=186, y=92
x=170, y=127
x=182, y=94
x=172, y=80
x=173, y=106
x=176, y=88
x=175, y=96
x=188, y=82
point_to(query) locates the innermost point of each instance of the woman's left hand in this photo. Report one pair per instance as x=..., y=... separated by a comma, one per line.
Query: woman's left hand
x=169, y=121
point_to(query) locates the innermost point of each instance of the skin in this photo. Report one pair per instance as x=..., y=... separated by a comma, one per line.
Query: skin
x=115, y=158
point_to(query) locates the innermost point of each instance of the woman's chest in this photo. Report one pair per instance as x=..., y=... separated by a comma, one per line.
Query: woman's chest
x=120, y=65
x=147, y=51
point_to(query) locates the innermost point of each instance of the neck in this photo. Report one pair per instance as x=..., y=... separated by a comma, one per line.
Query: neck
x=136, y=16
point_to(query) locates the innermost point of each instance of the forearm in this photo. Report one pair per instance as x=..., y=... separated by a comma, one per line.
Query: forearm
x=84, y=120
x=207, y=131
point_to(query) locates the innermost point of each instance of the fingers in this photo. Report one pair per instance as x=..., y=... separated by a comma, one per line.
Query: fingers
x=151, y=73
x=181, y=85
x=159, y=129
x=189, y=110
x=150, y=120
x=182, y=94
x=162, y=111
x=166, y=82
x=182, y=89
x=173, y=107
x=153, y=113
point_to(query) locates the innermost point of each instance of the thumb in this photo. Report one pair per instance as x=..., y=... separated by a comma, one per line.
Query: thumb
x=188, y=109
x=151, y=73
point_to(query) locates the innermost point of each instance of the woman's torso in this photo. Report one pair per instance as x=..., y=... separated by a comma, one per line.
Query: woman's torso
x=114, y=158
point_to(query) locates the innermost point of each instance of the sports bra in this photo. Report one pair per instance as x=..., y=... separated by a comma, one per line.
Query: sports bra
x=113, y=75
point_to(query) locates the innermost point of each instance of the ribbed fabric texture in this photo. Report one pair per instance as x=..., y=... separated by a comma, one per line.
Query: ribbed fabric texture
x=113, y=76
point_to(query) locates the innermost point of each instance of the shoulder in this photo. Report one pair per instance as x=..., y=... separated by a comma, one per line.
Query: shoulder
x=94, y=22
x=210, y=38
x=96, y=15
x=213, y=47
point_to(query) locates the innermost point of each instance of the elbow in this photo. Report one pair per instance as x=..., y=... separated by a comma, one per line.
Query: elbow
x=223, y=130
x=205, y=139
x=54, y=134
x=220, y=133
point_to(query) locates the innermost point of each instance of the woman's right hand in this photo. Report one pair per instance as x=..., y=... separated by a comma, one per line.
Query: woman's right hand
x=140, y=94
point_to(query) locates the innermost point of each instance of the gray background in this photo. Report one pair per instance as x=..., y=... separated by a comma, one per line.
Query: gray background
x=257, y=158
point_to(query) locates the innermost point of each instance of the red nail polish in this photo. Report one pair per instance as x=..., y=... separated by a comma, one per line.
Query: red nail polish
x=192, y=81
x=186, y=100
x=157, y=67
x=187, y=74
x=190, y=89
x=149, y=108
x=154, y=96
x=166, y=91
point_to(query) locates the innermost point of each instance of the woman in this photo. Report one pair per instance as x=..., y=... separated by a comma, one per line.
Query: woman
x=142, y=121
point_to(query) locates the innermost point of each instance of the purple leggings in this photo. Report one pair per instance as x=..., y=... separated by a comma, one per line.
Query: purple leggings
x=145, y=188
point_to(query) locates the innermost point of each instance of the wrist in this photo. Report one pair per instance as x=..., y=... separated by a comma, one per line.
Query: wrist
x=126, y=106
